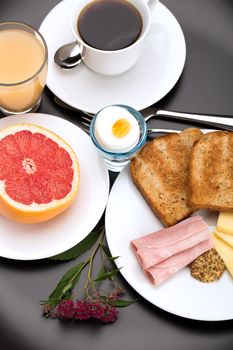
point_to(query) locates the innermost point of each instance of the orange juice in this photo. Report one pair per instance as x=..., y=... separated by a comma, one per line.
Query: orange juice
x=23, y=67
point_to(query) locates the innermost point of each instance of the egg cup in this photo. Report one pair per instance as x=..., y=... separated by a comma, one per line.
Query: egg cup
x=115, y=160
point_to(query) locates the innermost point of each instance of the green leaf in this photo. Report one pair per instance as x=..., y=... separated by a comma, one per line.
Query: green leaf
x=108, y=275
x=106, y=250
x=118, y=303
x=112, y=258
x=52, y=302
x=80, y=248
x=66, y=284
x=121, y=303
x=101, y=272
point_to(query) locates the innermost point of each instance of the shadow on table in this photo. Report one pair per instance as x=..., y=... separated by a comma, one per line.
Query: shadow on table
x=201, y=327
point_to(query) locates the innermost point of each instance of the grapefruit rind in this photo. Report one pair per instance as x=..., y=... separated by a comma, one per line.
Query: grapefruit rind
x=34, y=212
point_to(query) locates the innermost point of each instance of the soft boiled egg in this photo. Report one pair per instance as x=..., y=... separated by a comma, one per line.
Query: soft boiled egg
x=116, y=129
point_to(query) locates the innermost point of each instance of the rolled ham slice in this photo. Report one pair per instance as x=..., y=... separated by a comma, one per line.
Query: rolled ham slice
x=159, y=273
x=153, y=248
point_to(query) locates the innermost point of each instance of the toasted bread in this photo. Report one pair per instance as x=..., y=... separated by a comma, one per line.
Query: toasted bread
x=160, y=172
x=211, y=172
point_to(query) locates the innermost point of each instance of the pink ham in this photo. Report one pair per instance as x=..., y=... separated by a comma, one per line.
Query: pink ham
x=158, y=246
x=152, y=256
x=159, y=273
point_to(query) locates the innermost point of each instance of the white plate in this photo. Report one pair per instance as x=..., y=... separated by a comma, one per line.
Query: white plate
x=37, y=241
x=154, y=75
x=127, y=217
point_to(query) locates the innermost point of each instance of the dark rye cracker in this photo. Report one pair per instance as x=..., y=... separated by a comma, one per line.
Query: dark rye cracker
x=161, y=170
x=211, y=172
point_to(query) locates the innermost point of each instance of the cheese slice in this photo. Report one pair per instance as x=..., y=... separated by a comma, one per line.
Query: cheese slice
x=225, y=251
x=225, y=237
x=225, y=222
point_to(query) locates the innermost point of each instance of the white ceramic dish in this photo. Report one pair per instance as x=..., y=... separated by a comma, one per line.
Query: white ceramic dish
x=127, y=217
x=37, y=241
x=150, y=79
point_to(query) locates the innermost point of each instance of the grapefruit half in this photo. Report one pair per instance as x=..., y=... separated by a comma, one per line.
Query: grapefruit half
x=39, y=173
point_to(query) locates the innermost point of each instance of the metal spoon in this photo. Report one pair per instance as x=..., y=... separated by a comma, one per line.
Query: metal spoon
x=68, y=55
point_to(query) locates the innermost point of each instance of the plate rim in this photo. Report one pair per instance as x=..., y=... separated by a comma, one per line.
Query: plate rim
x=43, y=254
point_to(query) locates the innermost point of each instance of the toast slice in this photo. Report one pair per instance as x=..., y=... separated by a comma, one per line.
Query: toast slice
x=160, y=171
x=211, y=172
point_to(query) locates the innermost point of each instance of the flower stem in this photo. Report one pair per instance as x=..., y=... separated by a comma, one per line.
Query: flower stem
x=89, y=282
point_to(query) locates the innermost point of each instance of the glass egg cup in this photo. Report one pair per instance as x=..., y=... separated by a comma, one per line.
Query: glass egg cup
x=116, y=161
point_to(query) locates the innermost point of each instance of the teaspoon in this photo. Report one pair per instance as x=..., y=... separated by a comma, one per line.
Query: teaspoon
x=68, y=55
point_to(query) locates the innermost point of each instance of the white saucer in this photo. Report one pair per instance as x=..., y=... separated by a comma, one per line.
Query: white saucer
x=154, y=75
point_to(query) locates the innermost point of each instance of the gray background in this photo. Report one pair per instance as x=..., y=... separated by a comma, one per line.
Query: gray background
x=206, y=86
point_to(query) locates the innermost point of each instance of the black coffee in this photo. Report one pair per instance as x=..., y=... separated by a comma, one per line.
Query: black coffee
x=109, y=24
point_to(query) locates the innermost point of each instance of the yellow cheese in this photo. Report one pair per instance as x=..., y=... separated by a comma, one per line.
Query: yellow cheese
x=225, y=237
x=225, y=251
x=225, y=222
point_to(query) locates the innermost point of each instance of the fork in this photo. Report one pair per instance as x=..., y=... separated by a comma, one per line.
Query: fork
x=85, y=121
x=210, y=121
x=85, y=118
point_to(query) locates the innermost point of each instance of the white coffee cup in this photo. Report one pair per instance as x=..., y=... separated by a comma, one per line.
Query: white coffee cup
x=117, y=61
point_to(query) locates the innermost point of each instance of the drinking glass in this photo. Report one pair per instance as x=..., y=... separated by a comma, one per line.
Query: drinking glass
x=23, y=67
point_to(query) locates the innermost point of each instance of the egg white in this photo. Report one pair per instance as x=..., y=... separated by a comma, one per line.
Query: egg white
x=103, y=129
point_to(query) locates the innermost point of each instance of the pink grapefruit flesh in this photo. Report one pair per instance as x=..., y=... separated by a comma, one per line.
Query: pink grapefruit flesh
x=35, y=168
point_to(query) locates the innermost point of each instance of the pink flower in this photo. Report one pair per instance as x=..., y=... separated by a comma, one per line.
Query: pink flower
x=65, y=309
x=83, y=310
x=110, y=314
x=95, y=309
x=115, y=294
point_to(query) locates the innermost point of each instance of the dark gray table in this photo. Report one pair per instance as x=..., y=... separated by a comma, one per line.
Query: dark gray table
x=206, y=86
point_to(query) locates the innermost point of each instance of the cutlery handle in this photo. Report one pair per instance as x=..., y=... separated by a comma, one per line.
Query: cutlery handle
x=161, y=131
x=213, y=121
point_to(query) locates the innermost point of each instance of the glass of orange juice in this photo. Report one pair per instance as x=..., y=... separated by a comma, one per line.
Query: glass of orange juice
x=23, y=67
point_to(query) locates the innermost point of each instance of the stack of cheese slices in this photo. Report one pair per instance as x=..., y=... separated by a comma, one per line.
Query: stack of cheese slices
x=223, y=239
